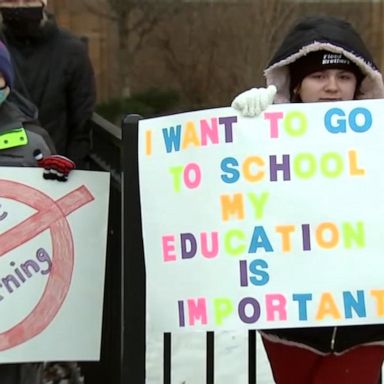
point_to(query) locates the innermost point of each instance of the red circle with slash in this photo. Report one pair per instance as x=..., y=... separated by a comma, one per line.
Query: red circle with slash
x=50, y=214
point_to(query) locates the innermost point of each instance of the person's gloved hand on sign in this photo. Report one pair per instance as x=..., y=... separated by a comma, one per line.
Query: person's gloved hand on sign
x=56, y=167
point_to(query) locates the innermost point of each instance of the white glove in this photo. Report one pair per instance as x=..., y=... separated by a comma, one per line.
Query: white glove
x=254, y=101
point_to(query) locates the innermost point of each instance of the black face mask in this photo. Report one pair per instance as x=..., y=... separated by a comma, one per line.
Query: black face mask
x=22, y=21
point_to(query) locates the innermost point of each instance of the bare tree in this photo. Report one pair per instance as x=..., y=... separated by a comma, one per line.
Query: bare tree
x=258, y=31
x=212, y=50
x=134, y=20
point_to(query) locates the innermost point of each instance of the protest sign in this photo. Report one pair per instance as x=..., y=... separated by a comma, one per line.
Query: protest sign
x=267, y=222
x=52, y=257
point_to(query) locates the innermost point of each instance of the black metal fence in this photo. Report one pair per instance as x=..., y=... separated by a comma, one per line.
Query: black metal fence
x=133, y=310
x=106, y=156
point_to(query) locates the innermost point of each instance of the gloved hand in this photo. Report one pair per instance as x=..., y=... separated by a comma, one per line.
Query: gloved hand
x=254, y=101
x=56, y=167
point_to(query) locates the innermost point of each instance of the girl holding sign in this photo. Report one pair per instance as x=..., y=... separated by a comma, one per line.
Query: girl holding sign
x=321, y=59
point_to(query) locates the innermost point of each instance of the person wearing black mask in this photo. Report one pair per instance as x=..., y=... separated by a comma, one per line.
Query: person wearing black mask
x=23, y=21
x=54, y=72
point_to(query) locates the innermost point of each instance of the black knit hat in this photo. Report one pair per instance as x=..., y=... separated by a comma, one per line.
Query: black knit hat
x=319, y=61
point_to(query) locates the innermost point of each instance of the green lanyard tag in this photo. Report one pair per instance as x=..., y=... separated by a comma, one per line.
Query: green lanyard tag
x=13, y=138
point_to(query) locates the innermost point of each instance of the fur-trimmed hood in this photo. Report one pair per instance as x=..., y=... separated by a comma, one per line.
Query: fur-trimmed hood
x=327, y=33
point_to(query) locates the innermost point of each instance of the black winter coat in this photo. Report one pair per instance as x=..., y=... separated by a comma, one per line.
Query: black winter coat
x=53, y=70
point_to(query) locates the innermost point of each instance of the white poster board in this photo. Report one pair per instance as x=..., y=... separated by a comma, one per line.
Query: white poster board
x=52, y=261
x=268, y=222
